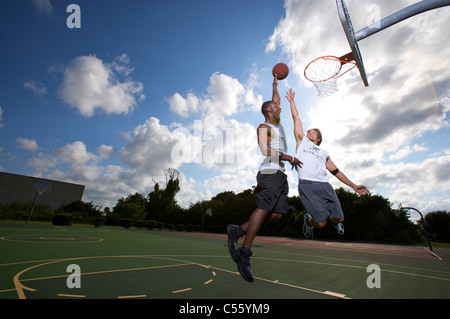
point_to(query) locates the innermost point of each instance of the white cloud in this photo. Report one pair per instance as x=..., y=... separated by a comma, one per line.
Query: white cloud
x=149, y=147
x=225, y=96
x=216, y=141
x=228, y=145
x=91, y=84
x=36, y=87
x=105, y=151
x=27, y=144
x=1, y=117
x=236, y=181
x=189, y=192
x=406, y=151
x=42, y=163
x=74, y=153
x=44, y=6
x=184, y=106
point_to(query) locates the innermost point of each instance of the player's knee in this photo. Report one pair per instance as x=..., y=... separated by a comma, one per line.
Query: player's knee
x=321, y=224
x=275, y=217
x=338, y=220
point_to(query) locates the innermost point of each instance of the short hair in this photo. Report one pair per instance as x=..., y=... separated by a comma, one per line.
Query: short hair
x=319, y=133
x=265, y=106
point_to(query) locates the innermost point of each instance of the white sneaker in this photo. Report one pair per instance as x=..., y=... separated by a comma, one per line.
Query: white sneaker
x=339, y=227
x=307, y=229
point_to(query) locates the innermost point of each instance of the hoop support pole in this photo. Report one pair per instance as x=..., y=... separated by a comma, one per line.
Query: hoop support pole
x=399, y=16
x=427, y=234
x=32, y=207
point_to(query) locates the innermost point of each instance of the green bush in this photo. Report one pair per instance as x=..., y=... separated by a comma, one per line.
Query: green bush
x=113, y=219
x=126, y=222
x=140, y=224
x=151, y=224
x=179, y=227
x=21, y=211
x=99, y=222
x=62, y=219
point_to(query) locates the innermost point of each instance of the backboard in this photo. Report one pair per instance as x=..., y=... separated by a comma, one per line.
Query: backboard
x=41, y=187
x=324, y=71
x=350, y=34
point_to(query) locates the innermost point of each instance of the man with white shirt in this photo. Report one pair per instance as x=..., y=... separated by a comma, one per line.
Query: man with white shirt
x=272, y=188
x=316, y=193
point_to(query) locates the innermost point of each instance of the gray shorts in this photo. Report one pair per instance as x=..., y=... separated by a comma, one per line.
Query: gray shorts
x=271, y=192
x=320, y=200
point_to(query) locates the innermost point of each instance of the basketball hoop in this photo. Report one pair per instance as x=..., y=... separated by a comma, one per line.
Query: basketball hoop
x=324, y=71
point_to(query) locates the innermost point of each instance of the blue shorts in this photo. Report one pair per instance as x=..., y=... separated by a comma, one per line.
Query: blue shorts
x=320, y=200
x=271, y=192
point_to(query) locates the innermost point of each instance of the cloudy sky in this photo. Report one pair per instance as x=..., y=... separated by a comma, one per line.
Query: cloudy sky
x=111, y=93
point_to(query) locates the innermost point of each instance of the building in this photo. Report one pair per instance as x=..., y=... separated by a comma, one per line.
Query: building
x=19, y=188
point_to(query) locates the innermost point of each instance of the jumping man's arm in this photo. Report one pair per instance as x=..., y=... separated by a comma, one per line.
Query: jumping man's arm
x=275, y=95
x=360, y=189
x=298, y=127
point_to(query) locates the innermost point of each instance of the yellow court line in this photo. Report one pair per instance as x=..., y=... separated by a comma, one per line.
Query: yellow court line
x=109, y=271
x=56, y=238
x=47, y=239
x=182, y=290
x=128, y=297
x=20, y=287
x=335, y=294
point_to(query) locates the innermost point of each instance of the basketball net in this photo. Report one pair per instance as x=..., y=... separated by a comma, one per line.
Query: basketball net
x=324, y=71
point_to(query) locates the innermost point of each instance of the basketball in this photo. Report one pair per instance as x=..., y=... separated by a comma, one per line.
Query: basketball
x=281, y=70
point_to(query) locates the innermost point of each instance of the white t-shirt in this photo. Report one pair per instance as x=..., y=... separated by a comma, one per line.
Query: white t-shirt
x=314, y=160
x=277, y=142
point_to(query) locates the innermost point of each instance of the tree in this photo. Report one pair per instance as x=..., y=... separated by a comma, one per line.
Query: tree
x=81, y=211
x=133, y=206
x=161, y=204
x=438, y=223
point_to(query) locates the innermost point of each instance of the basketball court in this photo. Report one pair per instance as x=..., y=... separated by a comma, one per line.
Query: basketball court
x=143, y=264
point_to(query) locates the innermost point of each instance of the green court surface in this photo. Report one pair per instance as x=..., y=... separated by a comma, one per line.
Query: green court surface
x=142, y=264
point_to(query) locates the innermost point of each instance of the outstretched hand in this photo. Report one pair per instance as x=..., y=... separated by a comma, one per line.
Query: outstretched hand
x=290, y=95
x=296, y=164
x=361, y=190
